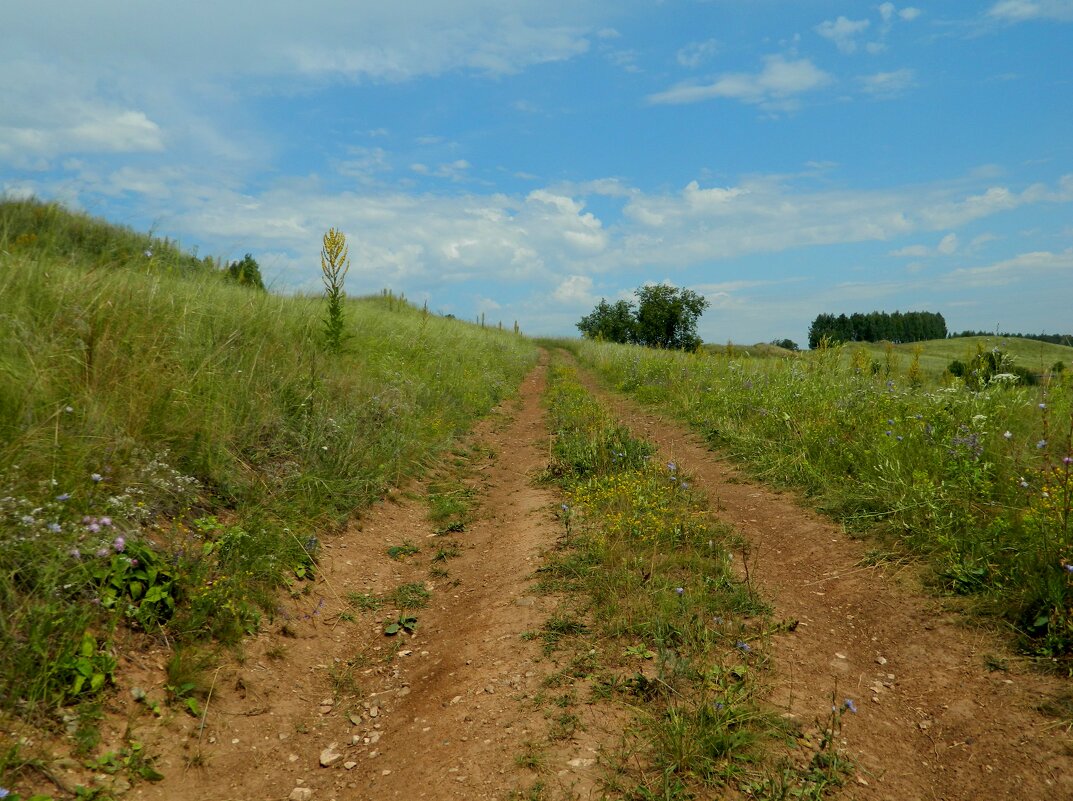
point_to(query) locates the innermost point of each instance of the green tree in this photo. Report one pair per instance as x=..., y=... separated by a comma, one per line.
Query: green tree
x=611, y=322
x=246, y=272
x=667, y=317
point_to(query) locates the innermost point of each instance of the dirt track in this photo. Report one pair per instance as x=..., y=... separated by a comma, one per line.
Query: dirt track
x=445, y=714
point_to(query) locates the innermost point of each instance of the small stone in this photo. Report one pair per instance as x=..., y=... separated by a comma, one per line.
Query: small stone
x=374, y=737
x=581, y=763
x=350, y=765
x=881, y=660
x=385, y=772
x=403, y=692
x=327, y=702
x=292, y=757
x=456, y=699
x=329, y=756
x=354, y=718
x=840, y=656
x=491, y=690
x=300, y=794
x=374, y=711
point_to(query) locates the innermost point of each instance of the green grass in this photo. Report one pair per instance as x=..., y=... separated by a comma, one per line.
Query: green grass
x=174, y=447
x=980, y=482
x=653, y=614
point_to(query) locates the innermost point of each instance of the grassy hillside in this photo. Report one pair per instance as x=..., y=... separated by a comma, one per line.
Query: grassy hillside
x=937, y=354
x=173, y=447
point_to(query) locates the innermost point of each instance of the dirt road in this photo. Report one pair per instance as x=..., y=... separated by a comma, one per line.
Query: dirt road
x=448, y=713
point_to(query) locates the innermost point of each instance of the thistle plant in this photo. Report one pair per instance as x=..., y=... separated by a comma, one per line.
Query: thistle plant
x=334, y=264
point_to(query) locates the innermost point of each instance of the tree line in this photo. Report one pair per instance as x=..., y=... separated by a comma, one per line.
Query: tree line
x=1054, y=339
x=876, y=326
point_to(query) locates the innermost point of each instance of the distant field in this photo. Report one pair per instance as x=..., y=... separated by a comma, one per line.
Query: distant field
x=935, y=356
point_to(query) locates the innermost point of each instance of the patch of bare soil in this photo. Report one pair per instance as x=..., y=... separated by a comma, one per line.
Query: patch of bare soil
x=440, y=715
x=934, y=722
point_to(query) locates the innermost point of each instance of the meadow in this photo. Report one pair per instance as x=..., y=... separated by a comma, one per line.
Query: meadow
x=174, y=447
x=978, y=480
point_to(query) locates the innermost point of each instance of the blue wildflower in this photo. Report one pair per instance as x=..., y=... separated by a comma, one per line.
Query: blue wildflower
x=742, y=646
x=679, y=591
x=64, y=496
x=848, y=704
x=96, y=478
x=55, y=528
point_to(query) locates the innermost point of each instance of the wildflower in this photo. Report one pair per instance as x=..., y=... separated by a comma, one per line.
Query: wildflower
x=717, y=620
x=890, y=422
x=27, y=520
x=900, y=438
x=106, y=521
x=1067, y=460
x=55, y=528
x=1024, y=483
x=148, y=253
x=133, y=562
x=1041, y=444
x=96, y=478
x=1043, y=406
x=4, y=792
x=742, y=646
x=679, y=591
x=1007, y=435
x=672, y=466
x=119, y=544
x=68, y=409
x=74, y=552
x=565, y=507
x=102, y=552
x=684, y=485
x=93, y=527
x=848, y=704
x=64, y=496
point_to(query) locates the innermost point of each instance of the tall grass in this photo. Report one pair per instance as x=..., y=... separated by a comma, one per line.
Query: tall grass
x=980, y=481
x=173, y=447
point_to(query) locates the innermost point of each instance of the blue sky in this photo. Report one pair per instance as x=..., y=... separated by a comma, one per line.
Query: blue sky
x=524, y=159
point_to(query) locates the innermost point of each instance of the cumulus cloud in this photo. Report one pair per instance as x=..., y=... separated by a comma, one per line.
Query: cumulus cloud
x=575, y=290
x=843, y=32
x=775, y=86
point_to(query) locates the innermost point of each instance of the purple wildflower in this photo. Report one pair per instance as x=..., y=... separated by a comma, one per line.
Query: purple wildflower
x=848, y=704
x=94, y=527
x=106, y=521
x=96, y=478
x=102, y=552
x=65, y=496
x=55, y=528
x=742, y=646
x=119, y=544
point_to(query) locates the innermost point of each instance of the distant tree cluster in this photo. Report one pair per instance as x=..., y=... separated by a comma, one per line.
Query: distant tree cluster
x=1054, y=339
x=246, y=272
x=785, y=344
x=664, y=317
x=876, y=326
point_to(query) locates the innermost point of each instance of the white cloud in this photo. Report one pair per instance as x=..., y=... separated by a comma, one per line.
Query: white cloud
x=1024, y=10
x=843, y=32
x=912, y=252
x=775, y=86
x=575, y=290
x=909, y=13
x=888, y=84
x=948, y=244
x=1010, y=271
x=695, y=54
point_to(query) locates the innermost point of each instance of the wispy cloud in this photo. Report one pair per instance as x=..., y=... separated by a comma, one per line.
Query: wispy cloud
x=695, y=54
x=888, y=84
x=1009, y=271
x=843, y=32
x=776, y=86
x=1024, y=10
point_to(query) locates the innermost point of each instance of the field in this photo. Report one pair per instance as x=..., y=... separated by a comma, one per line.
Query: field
x=980, y=482
x=239, y=561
